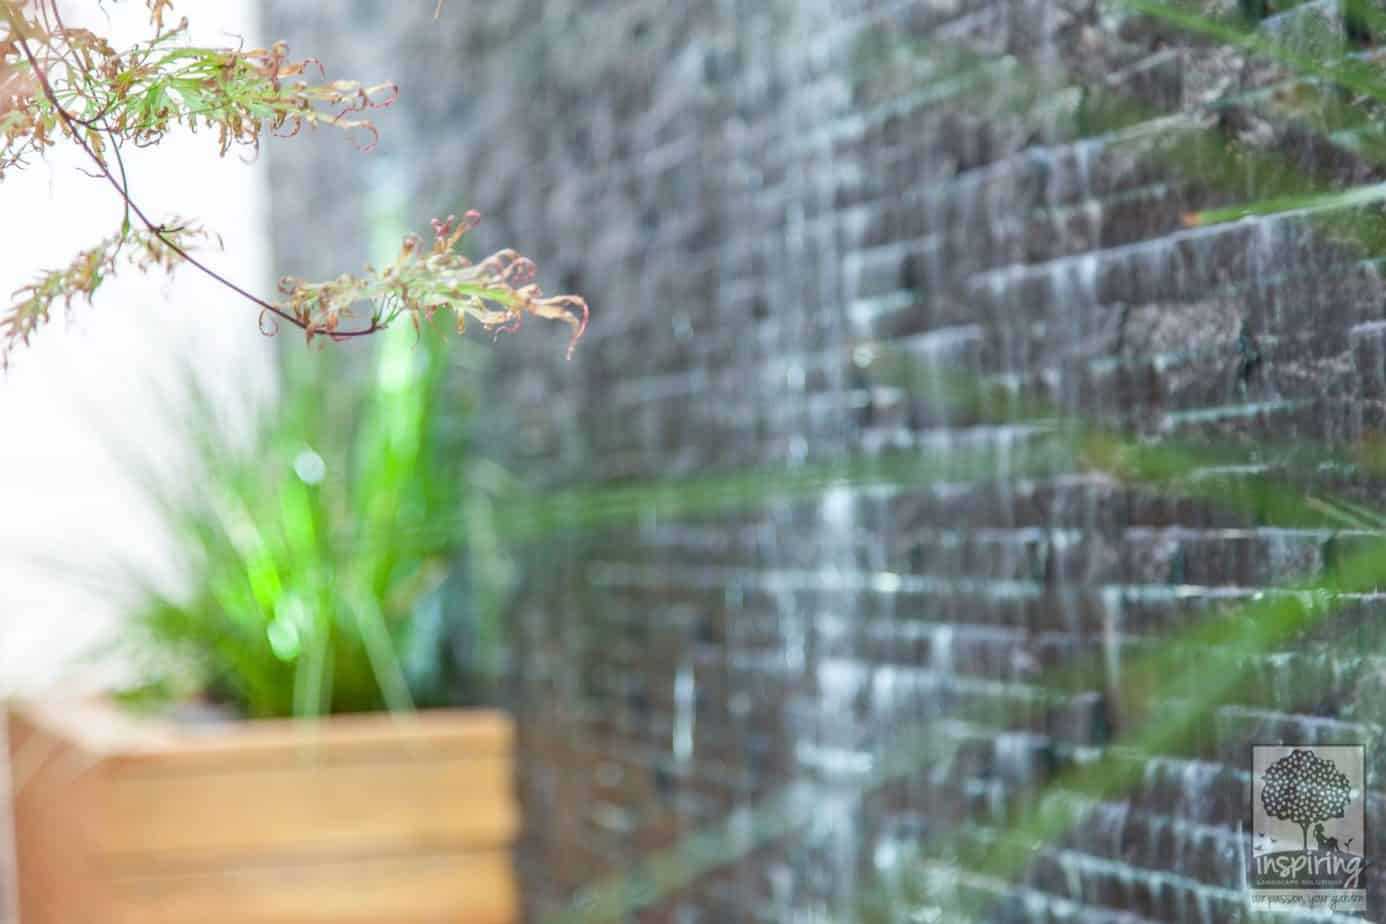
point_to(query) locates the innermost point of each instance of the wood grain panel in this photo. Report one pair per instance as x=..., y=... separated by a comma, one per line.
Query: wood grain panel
x=471, y=888
x=384, y=806
x=367, y=818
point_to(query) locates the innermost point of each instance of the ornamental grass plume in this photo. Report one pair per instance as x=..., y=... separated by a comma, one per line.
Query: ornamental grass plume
x=63, y=84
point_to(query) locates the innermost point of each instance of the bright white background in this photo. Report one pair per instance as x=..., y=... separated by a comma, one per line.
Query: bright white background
x=62, y=495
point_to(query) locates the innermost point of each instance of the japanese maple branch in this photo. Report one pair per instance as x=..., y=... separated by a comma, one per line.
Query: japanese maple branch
x=157, y=230
x=100, y=117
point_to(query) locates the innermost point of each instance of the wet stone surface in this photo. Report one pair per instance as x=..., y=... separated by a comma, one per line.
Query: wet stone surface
x=761, y=199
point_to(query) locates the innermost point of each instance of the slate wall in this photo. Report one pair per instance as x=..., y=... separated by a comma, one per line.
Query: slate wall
x=768, y=203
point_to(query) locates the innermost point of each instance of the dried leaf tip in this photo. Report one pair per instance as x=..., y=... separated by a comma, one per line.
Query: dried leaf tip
x=157, y=9
x=496, y=292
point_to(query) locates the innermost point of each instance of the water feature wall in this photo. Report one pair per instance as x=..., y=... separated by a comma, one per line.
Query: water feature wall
x=769, y=204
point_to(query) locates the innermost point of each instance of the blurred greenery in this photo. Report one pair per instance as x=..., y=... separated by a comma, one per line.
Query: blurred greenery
x=313, y=577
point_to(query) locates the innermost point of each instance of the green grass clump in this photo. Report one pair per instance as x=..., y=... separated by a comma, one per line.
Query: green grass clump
x=316, y=573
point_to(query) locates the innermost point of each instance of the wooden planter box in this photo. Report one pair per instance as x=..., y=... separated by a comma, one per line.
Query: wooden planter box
x=372, y=818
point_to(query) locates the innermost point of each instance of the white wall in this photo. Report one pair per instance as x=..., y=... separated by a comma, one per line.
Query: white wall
x=61, y=494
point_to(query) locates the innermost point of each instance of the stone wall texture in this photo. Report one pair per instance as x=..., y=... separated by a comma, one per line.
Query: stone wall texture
x=765, y=199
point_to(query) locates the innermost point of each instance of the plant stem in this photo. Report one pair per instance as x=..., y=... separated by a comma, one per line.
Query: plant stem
x=158, y=230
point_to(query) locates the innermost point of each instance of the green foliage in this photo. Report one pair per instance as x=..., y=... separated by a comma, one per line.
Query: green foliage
x=497, y=291
x=316, y=579
x=59, y=83
x=81, y=278
x=143, y=92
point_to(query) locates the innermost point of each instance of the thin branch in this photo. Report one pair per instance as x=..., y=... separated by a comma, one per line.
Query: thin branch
x=496, y=292
x=157, y=230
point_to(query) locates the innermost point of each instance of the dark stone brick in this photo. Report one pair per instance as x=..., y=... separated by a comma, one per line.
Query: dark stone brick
x=764, y=203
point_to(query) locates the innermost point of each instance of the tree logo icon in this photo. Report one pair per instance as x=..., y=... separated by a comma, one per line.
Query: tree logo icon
x=1308, y=827
x=1306, y=789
